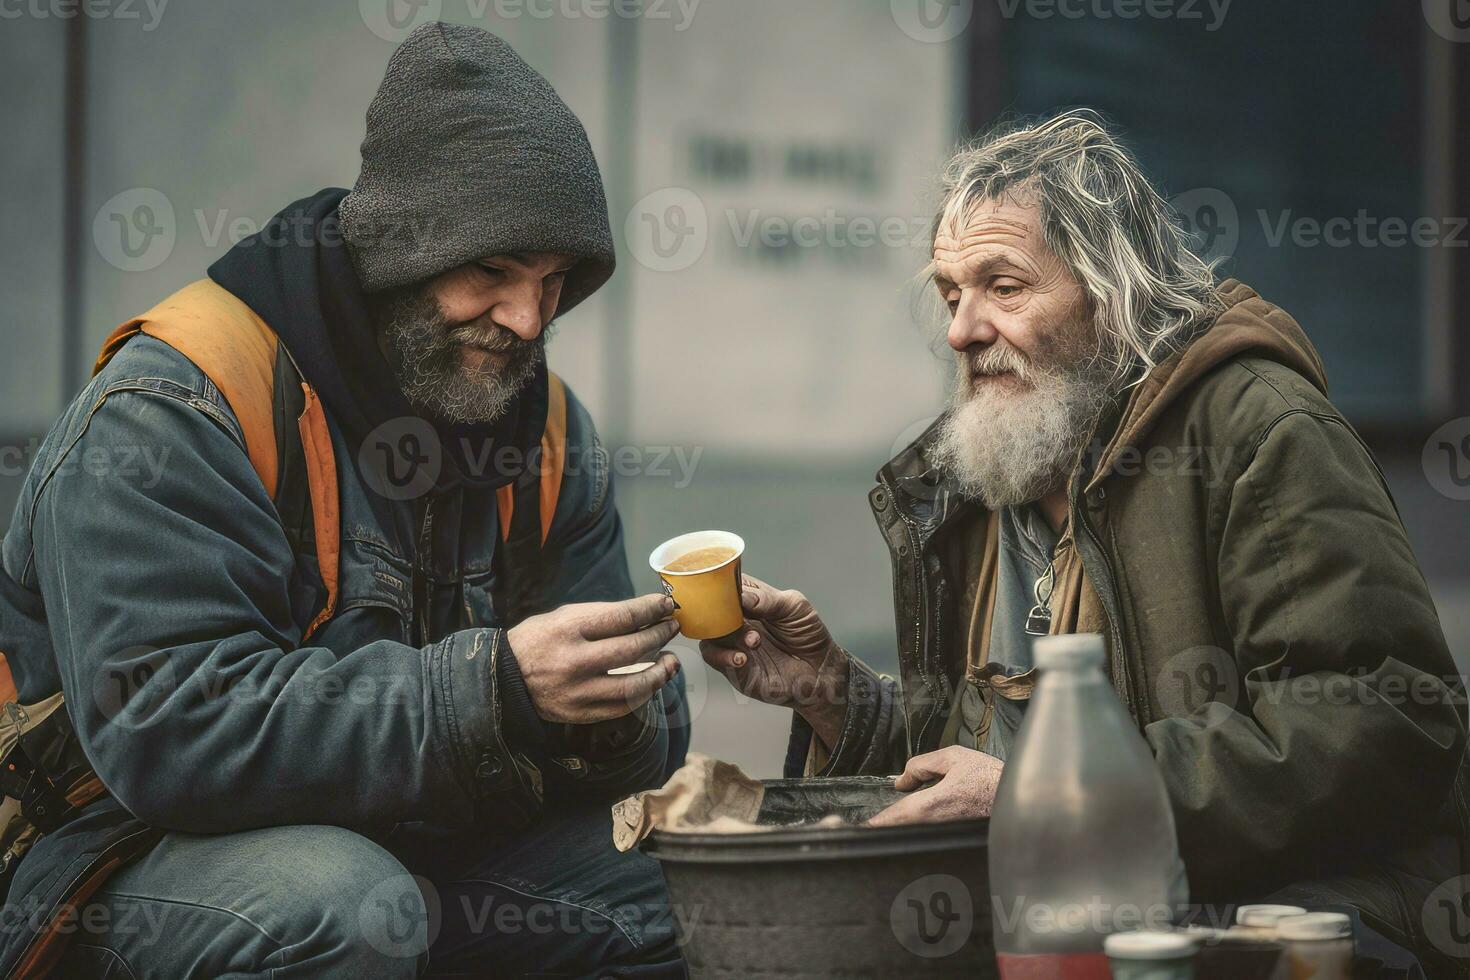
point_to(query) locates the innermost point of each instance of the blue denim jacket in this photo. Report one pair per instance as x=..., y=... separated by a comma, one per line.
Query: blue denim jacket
x=148, y=576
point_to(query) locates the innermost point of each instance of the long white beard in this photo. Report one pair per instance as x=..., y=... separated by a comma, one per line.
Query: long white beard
x=1005, y=444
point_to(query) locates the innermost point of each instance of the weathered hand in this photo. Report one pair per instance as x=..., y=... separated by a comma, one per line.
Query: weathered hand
x=565, y=656
x=966, y=788
x=784, y=655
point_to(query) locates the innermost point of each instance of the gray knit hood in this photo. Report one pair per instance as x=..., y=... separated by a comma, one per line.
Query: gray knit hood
x=469, y=153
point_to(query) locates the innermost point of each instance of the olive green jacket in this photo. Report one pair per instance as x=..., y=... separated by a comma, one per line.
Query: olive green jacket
x=1268, y=626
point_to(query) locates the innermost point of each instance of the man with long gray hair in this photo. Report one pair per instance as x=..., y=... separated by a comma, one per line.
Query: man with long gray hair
x=1136, y=450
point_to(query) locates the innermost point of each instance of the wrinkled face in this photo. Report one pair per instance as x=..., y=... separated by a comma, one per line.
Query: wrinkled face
x=464, y=344
x=1029, y=387
x=1015, y=307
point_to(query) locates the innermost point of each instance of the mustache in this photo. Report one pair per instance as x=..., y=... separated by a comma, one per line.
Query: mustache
x=994, y=360
x=490, y=337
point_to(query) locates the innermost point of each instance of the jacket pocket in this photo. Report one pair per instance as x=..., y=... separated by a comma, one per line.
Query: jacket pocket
x=479, y=600
x=375, y=600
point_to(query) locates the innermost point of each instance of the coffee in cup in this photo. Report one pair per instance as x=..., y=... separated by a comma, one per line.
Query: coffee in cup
x=701, y=571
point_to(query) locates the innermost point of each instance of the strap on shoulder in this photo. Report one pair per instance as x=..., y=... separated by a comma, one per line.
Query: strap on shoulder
x=326, y=518
x=553, y=465
x=285, y=427
x=232, y=346
x=553, y=452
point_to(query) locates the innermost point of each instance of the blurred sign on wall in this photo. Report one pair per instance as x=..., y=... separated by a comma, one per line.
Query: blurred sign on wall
x=785, y=155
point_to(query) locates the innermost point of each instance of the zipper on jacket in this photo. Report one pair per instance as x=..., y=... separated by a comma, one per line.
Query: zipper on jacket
x=421, y=568
x=920, y=660
x=922, y=597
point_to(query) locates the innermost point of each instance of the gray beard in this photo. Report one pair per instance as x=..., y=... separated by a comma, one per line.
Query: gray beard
x=1008, y=447
x=422, y=347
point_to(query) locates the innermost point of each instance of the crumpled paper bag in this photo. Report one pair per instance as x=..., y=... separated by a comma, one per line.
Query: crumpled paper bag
x=706, y=795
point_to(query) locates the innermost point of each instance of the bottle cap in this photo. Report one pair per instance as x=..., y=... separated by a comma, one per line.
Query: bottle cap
x=1070, y=651
x=1314, y=925
x=1265, y=915
x=1148, y=946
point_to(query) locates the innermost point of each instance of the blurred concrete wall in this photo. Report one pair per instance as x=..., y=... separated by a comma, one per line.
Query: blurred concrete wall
x=32, y=56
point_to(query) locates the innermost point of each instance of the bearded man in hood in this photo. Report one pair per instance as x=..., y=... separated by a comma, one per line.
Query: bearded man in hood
x=341, y=687
x=1138, y=451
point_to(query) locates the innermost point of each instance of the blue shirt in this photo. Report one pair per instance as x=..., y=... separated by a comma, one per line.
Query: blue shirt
x=1026, y=546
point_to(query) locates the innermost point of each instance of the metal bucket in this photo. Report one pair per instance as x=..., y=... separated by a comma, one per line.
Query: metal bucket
x=847, y=901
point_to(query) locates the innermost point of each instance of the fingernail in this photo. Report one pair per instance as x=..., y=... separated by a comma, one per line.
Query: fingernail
x=739, y=660
x=752, y=640
x=668, y=604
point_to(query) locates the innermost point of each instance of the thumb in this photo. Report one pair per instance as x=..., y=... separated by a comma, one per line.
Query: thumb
x=771, y=605
x=923, y=768
x=910, y=809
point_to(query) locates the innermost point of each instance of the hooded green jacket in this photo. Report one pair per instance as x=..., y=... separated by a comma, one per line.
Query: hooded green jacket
x=1268, y=626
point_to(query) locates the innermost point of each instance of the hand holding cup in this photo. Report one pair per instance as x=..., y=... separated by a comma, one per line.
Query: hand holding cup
x=566, y=657
x=784, y=655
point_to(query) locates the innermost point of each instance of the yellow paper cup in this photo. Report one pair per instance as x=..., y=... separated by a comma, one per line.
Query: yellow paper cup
x=707, y=601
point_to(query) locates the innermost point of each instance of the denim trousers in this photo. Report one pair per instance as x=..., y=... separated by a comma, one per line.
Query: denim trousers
x=314, y=901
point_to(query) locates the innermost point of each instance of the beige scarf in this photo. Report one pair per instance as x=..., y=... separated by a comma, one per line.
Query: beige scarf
x=1075, y=608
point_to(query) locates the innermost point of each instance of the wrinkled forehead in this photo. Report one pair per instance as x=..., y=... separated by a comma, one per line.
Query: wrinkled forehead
x=991, y=229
